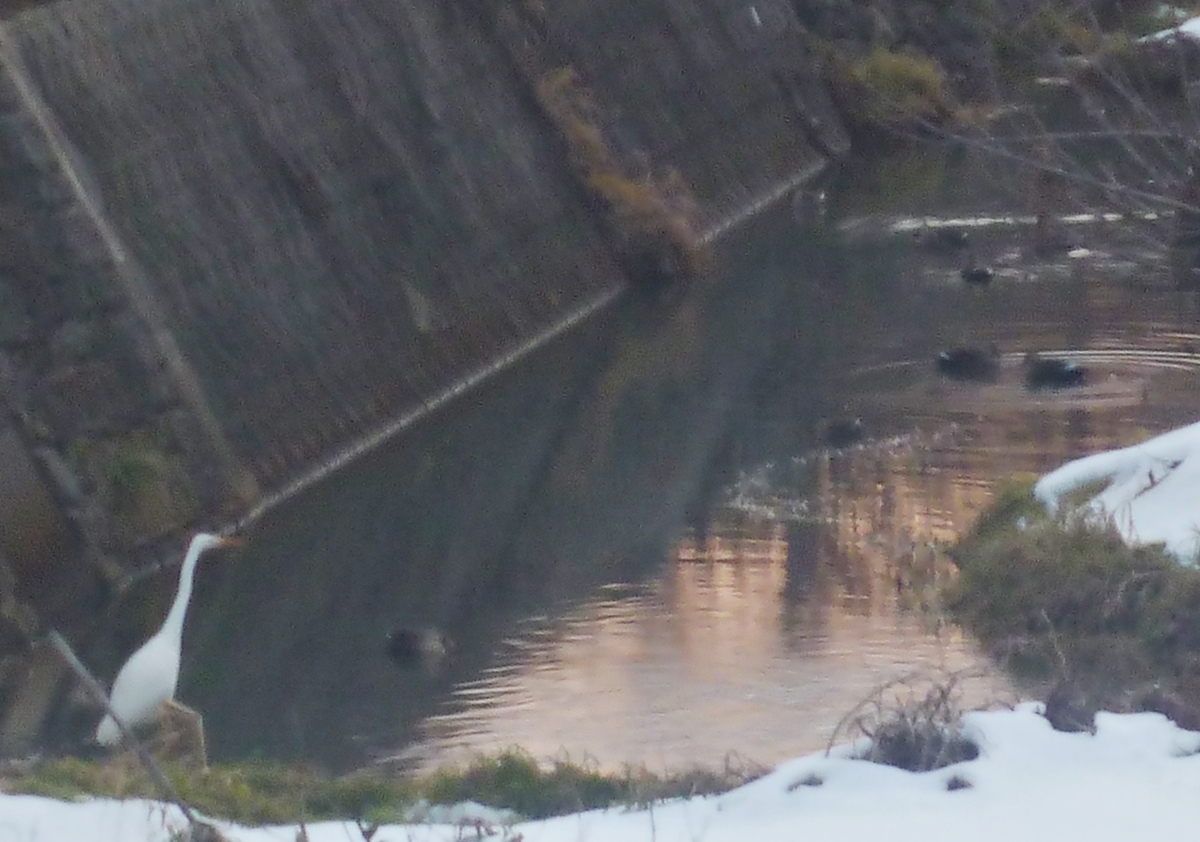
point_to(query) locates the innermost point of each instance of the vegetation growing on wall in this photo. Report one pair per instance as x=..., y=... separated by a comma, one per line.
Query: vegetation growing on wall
x=892, y=90
x=912, y=66
x=142, y=484
x=654, y=216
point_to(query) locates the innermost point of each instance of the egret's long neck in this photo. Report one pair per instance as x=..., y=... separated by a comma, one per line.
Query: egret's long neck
x=173, y=625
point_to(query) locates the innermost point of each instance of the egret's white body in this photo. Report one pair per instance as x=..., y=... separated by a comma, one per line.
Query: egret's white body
x=150, y=676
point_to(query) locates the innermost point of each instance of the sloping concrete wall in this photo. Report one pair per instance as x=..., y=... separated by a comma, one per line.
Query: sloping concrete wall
x=331, y=209
x=239, y=236
x=726, y=91
x=335, y=202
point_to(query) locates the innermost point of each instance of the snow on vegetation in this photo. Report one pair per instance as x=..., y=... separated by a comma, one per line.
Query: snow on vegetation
x=1135, y=778
x=1149, y=491
x=1189, y=27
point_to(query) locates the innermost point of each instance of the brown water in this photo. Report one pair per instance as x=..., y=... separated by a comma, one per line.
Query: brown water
x=756, y=649
x=814, y=578
x=679, y=569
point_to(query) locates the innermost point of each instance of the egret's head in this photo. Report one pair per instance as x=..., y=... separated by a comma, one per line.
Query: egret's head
x=207, y=541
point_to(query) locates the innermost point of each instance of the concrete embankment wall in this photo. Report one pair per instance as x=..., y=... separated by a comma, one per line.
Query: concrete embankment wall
x=238, y=237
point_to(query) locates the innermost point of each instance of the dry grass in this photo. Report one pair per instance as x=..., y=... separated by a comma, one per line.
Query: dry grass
x=654, y=216
x=913, y=722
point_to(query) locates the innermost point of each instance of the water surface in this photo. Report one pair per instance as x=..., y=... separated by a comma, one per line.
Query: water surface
x=640, y=541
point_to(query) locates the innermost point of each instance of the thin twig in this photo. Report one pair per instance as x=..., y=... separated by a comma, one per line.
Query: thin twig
x=1064, y=666
x=143, y=755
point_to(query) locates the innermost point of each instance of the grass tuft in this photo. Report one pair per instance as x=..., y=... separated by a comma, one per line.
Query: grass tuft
x=256, y=793
x=1065, y=598
x=1065, y=582
x=654, y=215
x=515, y=780
x=812, y=780
x=892, y=89
x=244, y=792
x=912, y=723
x=958, y=782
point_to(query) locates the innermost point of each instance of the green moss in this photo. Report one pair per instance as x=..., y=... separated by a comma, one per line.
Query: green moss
x=1065, y=32
x=1013, y=502
x=256, y=793
x=515, y=780
x=894, y=89
x=141, y=481
x=249, y=792
x=1070, y=597
x=129, y=476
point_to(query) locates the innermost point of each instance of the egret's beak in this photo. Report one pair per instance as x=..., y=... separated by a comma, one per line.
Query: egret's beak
x=231, y=541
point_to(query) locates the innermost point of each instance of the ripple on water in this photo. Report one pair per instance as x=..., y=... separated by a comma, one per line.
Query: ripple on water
x=818, y=578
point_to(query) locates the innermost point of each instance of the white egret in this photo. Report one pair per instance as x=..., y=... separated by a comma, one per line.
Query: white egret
x=148, y=680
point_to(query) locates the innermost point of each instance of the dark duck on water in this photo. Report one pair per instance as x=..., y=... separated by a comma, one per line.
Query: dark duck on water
x=842, y=433
x=973, y=273
x=969, y=363
x=1050, y=373
x=412, y=647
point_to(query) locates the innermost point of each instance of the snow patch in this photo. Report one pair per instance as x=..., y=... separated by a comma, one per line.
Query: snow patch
x=1135, y=778
x=1151, y=490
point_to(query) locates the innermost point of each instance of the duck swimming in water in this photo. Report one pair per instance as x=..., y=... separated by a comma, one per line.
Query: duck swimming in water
x=412, y=647
x=1049, y=373
x=841, y=433
x=973, y=273
x=969, y=363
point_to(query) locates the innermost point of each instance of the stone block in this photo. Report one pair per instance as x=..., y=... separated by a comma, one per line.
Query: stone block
x=11, y=147
x=95, y=523
x=65, y=480
x=53, y=191
x=36, y=293
x=36, y=148
x=8, y=379
x=80, y=235
x=16, y=326
x=179, y=429
x=14, y=218
x=18, y=186
x=88, y=287
x=130, y=349
x=10, y=99
x=75, y=339
x=86, y=398
x=24, y=145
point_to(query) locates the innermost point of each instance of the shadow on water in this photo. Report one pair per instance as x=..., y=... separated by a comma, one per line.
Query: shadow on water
x=637, y=539
x=575, y=469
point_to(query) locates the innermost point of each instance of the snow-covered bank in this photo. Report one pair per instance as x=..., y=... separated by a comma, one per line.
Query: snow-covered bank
x=1152, y=491
x=1136, y=778
x=1188, y=28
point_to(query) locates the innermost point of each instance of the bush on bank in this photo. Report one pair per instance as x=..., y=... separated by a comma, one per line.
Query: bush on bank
x=1067, y=599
